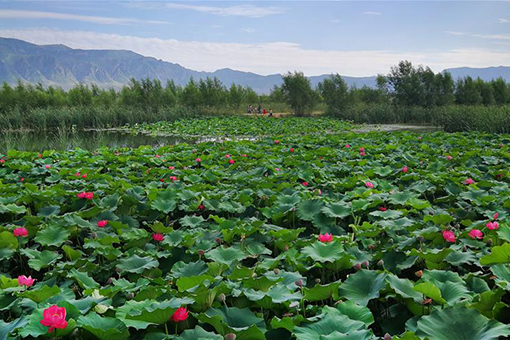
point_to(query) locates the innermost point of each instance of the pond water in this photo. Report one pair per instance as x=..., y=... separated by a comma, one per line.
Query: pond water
x=88, y=140
x=92, y=140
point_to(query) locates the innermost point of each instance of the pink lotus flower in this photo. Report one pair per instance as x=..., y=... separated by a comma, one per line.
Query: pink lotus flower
x=102, y=223
x=162, y=180
x=276, y=169
x=198, y=160
x=157, y=156
x=361, y=150
x=362, y=153
x=319, y=191
x=173, y=178
x=158, y=237
x=448, y=157
x=22, y=179
x=227, y=156
x=171, y=167
x=291, y=150
x=39, y=155
x=383, y=209
x=492, y=225
x=325, y=237
x=47, y=166
x=2, y=161
x=180, y=314
x=201, y=207
x=22, y=232
x=475, y=234
x=231, y=161
x=54, y=317
x=243, y=155
x=25, y=281
x=449, y=236
x=84, y=176
x=468, y=181
x=495, y=217
x=347, y=146
x=77, y=174
x=276, y=141
x=305, y=184
x=369, y=185
x=85, y=194
x=404, y=169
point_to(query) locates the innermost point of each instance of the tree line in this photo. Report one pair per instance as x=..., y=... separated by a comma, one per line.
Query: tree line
x=404, y=86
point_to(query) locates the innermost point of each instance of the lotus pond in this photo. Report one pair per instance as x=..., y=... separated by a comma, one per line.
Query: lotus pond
x=347, y=236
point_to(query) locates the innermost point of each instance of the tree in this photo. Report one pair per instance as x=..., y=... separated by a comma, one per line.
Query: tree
x=298, y=92
x=501, y=91
x=191, y=94
x=467, y=92
x=335, y=92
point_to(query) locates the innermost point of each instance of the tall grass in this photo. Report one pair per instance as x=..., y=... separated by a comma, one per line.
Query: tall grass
x=385, y=114
x=86, y=117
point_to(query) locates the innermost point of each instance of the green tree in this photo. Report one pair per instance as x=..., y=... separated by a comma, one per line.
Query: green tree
x=299, y=93
x=335, y=92
x=467, y=93
x=501, y=91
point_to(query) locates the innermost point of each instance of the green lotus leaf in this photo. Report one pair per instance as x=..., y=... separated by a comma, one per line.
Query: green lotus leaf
x=460, y=324
x=338, y=210
x=306, y=210
x=362, y=286
x=325, y=251
x=499, y=254
x=85, y=281
x=404, y=288
x=226, y=319
x=142, y=314
x=191, y=221
x=431, y=290
x=198, y=333
x=41, y=294
x=185, y=283
x=8, y=244
x=52, y=236
x=321, y=292
x=333, y=325
x=356, y=312
x=12, y=208
x=182, y=269
x=137, y=264
x=38, y=260
x=104, y=328
x=6, y=329
x=227, y=256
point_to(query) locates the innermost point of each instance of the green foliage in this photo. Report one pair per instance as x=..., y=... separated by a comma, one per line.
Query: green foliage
x=298, y=93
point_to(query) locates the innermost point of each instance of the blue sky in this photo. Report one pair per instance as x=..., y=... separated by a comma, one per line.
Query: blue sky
x=356, y=38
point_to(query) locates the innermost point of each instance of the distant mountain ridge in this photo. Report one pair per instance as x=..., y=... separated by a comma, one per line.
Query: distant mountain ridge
x=59, y=65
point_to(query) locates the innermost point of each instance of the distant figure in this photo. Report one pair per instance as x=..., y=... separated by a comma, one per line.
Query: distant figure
x=265, y=112
x=270, y=112
x=259, y=110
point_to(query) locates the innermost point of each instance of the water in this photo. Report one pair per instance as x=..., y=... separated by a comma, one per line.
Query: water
x=92, y=140
x=88, y=140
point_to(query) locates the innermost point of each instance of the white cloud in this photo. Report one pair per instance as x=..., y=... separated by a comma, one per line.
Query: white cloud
x=493, y=36
x=455, y=33
x=372, y=13
x=249, y=30
x=278, y=57
x=335, y=21
x=16, y=14
x=503, y=21
x=250, y=11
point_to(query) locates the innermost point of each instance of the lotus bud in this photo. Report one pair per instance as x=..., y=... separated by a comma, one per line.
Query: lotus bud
x=109, y=281
x=194, y=151
x=118, y=270
x=317, y=281
x=201, y=252
x=299, y=283
x=489, y=242
x=222, y=298
x=218, y=240
x=286, y=247
x=371, y=246
x=130, y=296
x=380, y=263
x=419, y=273
x=431, y=213
x=426, y=301
x=276, y=271
x=387, y=337
x=365, y=264
x=93, y=235
x=69, y=242
x=357, y=266
x=420, y=238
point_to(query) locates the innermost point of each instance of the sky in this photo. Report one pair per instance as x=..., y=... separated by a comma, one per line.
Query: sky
x=352, y=38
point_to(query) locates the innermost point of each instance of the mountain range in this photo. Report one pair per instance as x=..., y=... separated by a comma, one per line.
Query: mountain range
x=59, y=65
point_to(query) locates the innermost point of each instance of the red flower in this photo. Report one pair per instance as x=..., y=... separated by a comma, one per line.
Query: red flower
x=231, y=161
x=496, y=215
x=54, y=317
x=102, y=223
x=492, y=225
x=77, y=174
x=276, y=141
x=25, y=281
x=20, y=232
x=383, y=209
x=39, y=155
x=448, y=157
x=84, y=176
x=369, y=185
x=305, y=184
x=158, y=237
x=468, y=181
x=180, y=314
x=404, y=169
x=87, y=195
x=198, y=160
x=347, y=146
x=171, y=167
x=47, y=166
x=449, y=236
x=475, y=233
x=291, y=150
x=243, y=155
x=173, y=178
x=326, y=237
x=227, y=156
x=201, y=207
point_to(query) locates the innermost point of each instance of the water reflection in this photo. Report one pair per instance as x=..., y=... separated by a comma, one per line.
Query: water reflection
x=88, y=140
